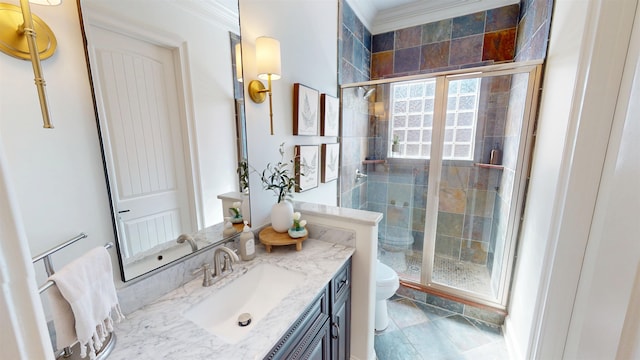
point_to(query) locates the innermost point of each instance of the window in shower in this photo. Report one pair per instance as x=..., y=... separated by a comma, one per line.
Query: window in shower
x=412, y=110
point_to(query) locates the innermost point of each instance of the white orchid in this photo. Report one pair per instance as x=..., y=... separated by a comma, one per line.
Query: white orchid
x=297, y=223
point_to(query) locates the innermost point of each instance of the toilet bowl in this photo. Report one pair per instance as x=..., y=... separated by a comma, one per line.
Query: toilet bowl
x=387, y=283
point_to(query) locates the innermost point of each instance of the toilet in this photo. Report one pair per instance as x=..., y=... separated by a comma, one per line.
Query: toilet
x=394, y=243
x=387, y=283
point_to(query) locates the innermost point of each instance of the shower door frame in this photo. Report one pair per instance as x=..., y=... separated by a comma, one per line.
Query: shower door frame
x=523, y=164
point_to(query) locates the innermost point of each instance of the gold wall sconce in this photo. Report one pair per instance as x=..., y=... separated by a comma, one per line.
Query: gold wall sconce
x=18, y=29
x=269, y=68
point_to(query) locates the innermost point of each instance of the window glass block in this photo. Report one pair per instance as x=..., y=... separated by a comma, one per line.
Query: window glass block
x=415, y=121
x=453, y=87
x=400, y=121
x=464, y=135
x=427, y=120
x=416, y=90
x=412, y=150
x=399, y=107
x=415, y=106
x=426, y=135
x=428, y=105
x=468, y=86
x=452, y=103
x=400, y=92
x=430, y=88
x=467, y=102
x=462, y=151
x=451, y=119
x=465, y=118
x=448, y=135
x=413, y=135
x=446, y=153
x=426, y=150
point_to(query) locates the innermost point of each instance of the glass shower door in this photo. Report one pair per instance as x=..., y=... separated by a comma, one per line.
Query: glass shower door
x=446, y=160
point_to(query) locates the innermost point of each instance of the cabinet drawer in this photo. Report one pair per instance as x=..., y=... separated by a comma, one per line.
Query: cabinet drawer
x=341, y=283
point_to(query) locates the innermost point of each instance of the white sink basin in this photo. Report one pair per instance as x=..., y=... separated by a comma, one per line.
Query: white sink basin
x=256, y=292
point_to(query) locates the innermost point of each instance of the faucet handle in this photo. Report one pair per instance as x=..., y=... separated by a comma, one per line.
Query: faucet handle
x=206, y=280
x=227, y=263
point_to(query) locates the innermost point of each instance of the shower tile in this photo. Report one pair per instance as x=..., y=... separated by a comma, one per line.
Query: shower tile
x=367, y=38
x=448, y=246
x=433, y=312
x=484, y=179
x=474, y=251
x=418, y=219
x=398, y=217
x=434, y=55
x=358, y=55
x=347, y=45
x=412, y=294
x=477, y=228
x=450, y=224
x=418, y=240
x=438, y=31
x=406, y=60
x=499, y=45
x=480, y=202
x=381, y=64
x=452, y=201
x=420, y=197
x=467, y=25
x=408, y=37
x=445, y=304
x=454, y=177
x=377, y=192
x=399, y=194
x=466, y=51
x=501, y=18
x=383, y=42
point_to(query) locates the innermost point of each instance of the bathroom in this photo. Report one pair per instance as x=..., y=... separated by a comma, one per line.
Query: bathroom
x=61, y=190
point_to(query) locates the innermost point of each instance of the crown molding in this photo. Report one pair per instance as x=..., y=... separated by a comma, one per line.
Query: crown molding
x=221, y=13
x=419, y=12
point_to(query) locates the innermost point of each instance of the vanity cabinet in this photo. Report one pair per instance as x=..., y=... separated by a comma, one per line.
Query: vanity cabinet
x=323, y=330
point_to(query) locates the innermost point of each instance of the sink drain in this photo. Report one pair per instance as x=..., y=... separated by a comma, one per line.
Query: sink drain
x=244, y=319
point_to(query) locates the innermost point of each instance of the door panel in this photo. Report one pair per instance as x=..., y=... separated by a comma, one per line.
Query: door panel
x=144, y=152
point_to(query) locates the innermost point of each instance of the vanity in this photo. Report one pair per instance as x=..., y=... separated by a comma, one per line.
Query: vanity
x=311, y=321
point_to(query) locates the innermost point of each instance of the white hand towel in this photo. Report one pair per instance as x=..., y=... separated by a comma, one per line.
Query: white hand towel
x=86, y=284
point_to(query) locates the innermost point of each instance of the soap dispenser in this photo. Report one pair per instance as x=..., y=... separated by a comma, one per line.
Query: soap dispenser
x=247, y=244
x=228, y=230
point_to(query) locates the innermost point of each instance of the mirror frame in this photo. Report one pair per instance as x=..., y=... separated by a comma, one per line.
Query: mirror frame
x=208, y=233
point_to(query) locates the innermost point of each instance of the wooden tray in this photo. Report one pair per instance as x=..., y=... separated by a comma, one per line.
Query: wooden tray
x=270, y=237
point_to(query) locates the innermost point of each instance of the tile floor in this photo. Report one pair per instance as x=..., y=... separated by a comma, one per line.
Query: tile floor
x=421, y=331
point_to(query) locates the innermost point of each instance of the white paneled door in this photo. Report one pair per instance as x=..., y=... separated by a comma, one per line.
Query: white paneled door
x=142, y=129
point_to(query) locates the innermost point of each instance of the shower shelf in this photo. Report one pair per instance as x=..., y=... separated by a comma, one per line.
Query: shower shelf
x=489, y=166
x=365, y=162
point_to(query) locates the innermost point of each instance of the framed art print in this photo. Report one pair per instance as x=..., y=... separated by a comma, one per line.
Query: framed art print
x=329, y=115
x=305, y=110
x=330, y=162
x=308, y=162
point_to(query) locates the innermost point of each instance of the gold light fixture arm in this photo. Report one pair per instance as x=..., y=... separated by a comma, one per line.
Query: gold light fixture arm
x=257, y=94
x=30, y=33
x=16, y=29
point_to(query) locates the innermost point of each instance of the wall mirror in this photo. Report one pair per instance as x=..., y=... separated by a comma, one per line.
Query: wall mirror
x=168, y=97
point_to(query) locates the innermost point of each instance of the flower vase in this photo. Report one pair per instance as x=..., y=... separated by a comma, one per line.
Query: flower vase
x=297, y=233
x=282, y=216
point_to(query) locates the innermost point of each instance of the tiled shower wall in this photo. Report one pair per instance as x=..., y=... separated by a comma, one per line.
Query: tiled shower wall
x=533, y=29
x=354, y=51
x=477, y=39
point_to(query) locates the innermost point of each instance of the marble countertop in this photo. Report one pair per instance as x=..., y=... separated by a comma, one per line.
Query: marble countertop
x=160, y=331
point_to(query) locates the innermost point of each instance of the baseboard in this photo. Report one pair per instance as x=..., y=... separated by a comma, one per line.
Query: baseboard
x=514, y=350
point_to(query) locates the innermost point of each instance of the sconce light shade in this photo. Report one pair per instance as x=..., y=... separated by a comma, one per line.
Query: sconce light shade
x=268, y=58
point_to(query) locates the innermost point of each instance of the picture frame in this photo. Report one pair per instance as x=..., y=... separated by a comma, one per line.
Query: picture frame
x=330, y=163
x=307, y=160
x=329, y=115
x=305, y=110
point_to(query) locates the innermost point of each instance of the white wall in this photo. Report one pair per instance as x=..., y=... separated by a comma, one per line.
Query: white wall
x=57, y=173
x=587, y=49
x=307, y=31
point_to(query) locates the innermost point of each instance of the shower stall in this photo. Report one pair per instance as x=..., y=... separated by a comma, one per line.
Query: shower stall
x=446, y=158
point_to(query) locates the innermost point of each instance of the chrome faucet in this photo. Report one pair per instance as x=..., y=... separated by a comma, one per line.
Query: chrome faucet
x=188, y=238
x=226, y=255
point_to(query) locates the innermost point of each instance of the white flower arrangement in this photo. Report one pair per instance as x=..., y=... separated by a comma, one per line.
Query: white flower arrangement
x=298, y=224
